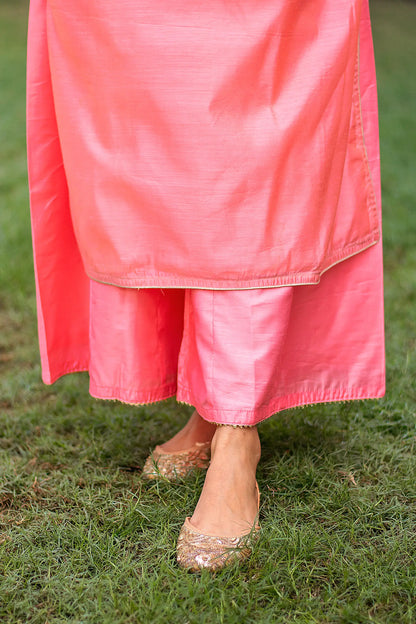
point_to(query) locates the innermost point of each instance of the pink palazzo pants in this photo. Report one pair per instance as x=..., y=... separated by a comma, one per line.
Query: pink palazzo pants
x=239, y=356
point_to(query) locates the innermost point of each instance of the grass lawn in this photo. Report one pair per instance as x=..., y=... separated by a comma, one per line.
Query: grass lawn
x=82, y=539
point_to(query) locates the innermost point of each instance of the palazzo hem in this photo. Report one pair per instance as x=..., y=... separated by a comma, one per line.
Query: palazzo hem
x=238, y=417
x=253, y=417
x=132, y=398
x=49, y=379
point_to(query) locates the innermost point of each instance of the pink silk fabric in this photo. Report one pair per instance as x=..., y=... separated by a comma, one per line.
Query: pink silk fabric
x=239, y=356
x=279, y=182
x=211, y=145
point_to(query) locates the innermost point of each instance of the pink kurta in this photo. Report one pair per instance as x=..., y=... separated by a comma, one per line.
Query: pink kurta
x=226, y=126
x=218, y=146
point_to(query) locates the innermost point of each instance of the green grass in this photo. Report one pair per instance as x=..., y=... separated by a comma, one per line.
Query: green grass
x=83, y=540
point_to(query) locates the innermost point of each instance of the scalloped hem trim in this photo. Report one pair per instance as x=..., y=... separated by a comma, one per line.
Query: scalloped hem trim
x=236, y=418
x=133, y=398
x=252, y=417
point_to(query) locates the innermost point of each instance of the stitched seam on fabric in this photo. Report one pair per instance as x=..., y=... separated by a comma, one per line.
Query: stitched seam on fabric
x=334, y=397
x=304, y=400
x=371, y=193
x=161, y=389
x=309, y=279
x=134, y=403
x=132, y=398
x=368, y=239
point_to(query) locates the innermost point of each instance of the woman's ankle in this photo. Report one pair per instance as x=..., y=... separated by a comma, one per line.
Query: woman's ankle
x=228, y=503
x=196, y=430
x=244, y=441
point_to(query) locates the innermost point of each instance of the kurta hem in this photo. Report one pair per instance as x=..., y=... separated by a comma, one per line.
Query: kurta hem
x=164, y=280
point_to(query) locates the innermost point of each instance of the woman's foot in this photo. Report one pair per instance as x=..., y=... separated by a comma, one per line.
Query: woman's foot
x=224, y=525
x=228, y=505
x=196, y=430
x=189, y=449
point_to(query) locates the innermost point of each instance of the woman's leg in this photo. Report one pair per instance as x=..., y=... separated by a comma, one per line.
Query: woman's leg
x=197, y=429
x=228, y=504
x=230, y=354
